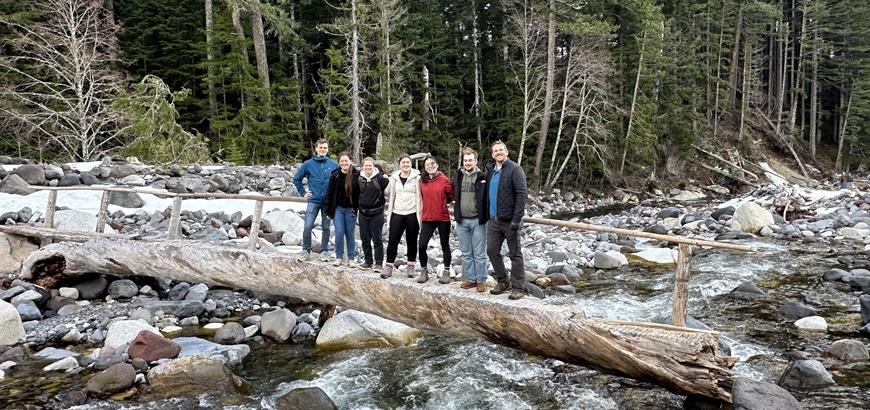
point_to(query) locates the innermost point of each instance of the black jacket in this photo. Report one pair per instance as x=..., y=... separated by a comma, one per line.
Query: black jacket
x=511, y=196
x=371, y=193
x=479, y=193
x=336, y=183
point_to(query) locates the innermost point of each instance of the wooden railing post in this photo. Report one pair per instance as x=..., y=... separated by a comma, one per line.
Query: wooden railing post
x=254, y=234
x=102, y=214
x=681, y=285
x=175, y=219
x=48, y=222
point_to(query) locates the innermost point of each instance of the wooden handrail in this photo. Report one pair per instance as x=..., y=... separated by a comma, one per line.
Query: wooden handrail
x=166, y=194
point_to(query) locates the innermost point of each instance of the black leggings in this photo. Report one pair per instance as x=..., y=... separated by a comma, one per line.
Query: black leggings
x=400, y=224
x=426, y=234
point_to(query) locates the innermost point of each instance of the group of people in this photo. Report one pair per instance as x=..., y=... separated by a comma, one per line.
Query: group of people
x=488, y=207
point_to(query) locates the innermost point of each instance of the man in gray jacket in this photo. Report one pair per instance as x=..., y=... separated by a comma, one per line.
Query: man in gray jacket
x=505, y=205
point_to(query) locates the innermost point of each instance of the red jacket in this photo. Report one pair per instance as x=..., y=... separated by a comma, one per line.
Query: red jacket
x=437, y=193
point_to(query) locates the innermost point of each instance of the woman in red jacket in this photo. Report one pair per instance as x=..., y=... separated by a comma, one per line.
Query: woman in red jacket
x=437, y=191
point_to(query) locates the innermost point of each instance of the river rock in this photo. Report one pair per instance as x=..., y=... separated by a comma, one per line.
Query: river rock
x=69, y=293
x=302, y=332
x=70, y=309
x=286, y=221
x=534, y=290
x=65, y=364
x=93, y=289
x=70, y=179
x=558, y=279
x=53, y=353
x=231, y=333
x=180, y=308
x=11, y=328
x=29, y=295
x=230, y=354
x=126, y=199
x=854, y=234
x=812, y=323
x=122, y=171
x=113, y=380
x=689, y=195
x=13, y=184
x=179, y=291
x=309, y=398
x=28, y=311
x=31, y=173
x=197, y=292
x=748, y=288
x=123, y=332
x=123, y=289
x=750, y=218
x=751, y=394
x=277, y=324
x=72, y=398
x=662, y=256
x=848, y=350
x=354, y=329
x=609, y=260
x=836, y=275
x=806, y=374
x=72, y=220
x=864, y=300
x=193, y=376
x=13, y=249
x=151, y=346
x=795, y=310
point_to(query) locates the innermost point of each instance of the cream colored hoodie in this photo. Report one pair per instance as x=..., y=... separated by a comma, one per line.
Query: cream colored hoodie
x=404, y=199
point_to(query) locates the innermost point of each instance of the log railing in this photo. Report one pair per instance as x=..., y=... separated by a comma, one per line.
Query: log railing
x=684, y=258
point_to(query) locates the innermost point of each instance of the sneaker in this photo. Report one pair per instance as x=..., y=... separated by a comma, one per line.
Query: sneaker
x=468, y=284
x=500, y=287
x=516, y=294
x=388, y=271
x=445, y=277
x=481, y=287
x=376, y=268
x=325, y=257
x=336, y=262
x=424, y=275
x=303, y=257
x=351, y=264
x=411, y=269
x=365, y=266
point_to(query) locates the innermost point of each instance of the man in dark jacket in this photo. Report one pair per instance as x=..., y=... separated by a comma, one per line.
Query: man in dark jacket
x=317, y=170
x=505, y=204
x=469, y=183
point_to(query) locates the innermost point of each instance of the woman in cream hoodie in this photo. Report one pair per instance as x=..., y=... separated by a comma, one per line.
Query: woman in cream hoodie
x=403, y=214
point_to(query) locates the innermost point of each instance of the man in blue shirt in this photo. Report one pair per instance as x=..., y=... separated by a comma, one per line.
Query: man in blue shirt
x=317, y=170
x=505, y=198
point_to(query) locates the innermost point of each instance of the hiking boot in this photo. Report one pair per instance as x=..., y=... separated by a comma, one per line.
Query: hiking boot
x=410, y=268
x=516, y=294
x=445, y=277
x=468, y=284
x=424, y=275
x=388, y=271
x=303, y=257
x=500, y=287
x=481, y=287
x=365, y=266
x=337, y=262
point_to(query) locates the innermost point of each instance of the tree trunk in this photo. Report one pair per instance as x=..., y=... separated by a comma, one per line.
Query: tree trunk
x=747, y=63
x=718, y=71
x=209, y=27
x=814, y=86
x=633, y=103
x=478, y=86
x=424, y=103
x=260, y=50
x=548, y=91
x=842, y=134
x=356, y=117
x=735, y=60
x=240, y=33
x=686, y=361
x=798, y=70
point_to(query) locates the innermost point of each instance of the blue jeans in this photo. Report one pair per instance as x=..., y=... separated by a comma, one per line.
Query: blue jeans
x=345, y=227
x=472, y=242
x=310, y=215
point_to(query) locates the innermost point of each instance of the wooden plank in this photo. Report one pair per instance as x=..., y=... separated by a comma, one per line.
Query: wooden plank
x=254, y=233
x=628, y=232
x=175, y=219
x=681, y=285
x=686, y=361
x=49, y=234
x=102, y=213
x=166, y=194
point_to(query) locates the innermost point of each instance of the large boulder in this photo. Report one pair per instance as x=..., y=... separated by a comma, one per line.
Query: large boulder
x=286, y=221
x=609, y=260
x=230, y=334
x=197, y=292
x=795, y=311
x=126, y=199
x=806, y=374
x=230, y=354
x=93, y=288
x=309, y=398
x=177, y=308
x=11, y=328
x=13, y=184
x=150, y=346
x=123, y=332
x=848, y=350
x=855, y=234
x=194, y=375
x=31, y=173
x=278, y=324
x=72, y=220
x=115, y=379
x=750, y=218
x=661, y=256
x=353, y=329
x=750, y=394
x=13, y=249
x=123, y=289
x=812, y=323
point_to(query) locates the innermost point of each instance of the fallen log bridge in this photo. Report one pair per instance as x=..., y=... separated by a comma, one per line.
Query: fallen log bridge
x=682, y=360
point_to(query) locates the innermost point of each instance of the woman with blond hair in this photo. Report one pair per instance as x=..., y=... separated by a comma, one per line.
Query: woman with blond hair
x=403, y=214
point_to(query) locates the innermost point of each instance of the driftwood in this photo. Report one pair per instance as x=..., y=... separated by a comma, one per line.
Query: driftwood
x=686, y=361
x=732, y=164
x=725, y=174
x=50, y=234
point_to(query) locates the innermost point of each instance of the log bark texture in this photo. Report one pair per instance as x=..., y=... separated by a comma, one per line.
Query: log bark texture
x=685, y=361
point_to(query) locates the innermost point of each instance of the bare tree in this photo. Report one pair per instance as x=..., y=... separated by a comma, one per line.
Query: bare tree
x=478, y=82
x=64, y=83
x=259, y=38
x=357, y=118
x=548, y=91
x=209, y=42
x=388, y=16
x=527, y=31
